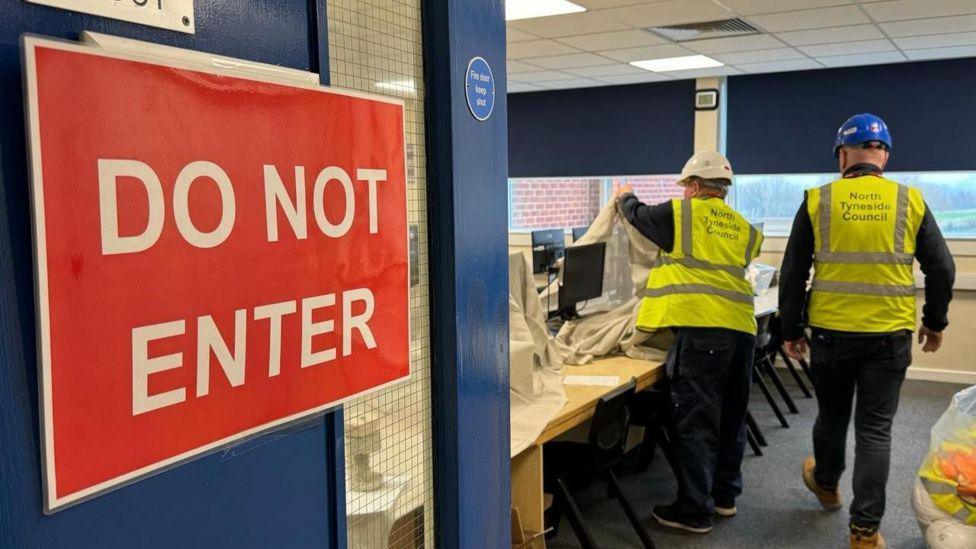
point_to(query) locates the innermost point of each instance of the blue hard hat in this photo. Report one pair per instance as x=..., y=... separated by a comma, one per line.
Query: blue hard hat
x=860, y=129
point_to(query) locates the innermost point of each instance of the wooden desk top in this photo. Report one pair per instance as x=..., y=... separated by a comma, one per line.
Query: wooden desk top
x=582, y=399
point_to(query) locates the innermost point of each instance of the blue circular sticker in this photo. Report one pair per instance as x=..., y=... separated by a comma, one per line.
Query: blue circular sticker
x=479, y=86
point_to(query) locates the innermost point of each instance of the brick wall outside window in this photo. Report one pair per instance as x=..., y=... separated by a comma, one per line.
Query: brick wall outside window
x=552, y=203
x=652, y=189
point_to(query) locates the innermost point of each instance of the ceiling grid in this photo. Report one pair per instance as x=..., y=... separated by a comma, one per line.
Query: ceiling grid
x=596, y=47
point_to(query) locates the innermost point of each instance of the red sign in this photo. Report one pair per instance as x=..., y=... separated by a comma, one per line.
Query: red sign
x=216, y=256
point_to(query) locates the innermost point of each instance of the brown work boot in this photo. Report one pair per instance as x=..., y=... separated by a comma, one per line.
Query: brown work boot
x=866, y=539
x=829, y=499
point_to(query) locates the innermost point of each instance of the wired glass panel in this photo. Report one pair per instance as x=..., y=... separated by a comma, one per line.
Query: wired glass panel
x=376, y=46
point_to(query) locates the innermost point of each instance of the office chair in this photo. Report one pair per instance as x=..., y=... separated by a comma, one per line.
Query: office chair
x=761, y=362
x=650, y=409
x=570, y=467
x=754, y=435
x=775, y=347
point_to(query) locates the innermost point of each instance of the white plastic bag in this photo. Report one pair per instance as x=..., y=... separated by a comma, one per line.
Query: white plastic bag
x=949, y=470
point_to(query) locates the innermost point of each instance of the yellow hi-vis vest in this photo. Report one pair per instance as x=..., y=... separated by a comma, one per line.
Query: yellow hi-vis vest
x=864, y=240
x=701, y=283
x=943, y=490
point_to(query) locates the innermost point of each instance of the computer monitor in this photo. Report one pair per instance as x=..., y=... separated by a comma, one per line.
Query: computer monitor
x=582, y=276
x=578, y=232
x=547, y=247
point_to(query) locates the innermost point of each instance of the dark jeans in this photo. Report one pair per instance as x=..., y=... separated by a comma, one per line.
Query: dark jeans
x=712, y=372
x=873, y=367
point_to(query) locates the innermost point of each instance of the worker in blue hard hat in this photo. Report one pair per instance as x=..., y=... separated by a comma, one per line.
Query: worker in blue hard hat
x=861, y=234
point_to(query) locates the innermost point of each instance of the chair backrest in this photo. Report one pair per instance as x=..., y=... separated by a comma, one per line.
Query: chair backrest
x=608, y=430
x=763, y=334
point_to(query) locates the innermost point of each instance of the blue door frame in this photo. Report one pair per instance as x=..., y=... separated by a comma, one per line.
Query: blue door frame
x=468, y=200
x=286, y=489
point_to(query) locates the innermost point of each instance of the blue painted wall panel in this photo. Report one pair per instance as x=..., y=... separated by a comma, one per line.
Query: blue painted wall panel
x=786, y=122
x=613, y=130
x=279, y=490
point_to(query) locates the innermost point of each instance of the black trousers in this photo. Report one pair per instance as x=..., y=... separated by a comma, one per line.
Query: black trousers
x=872, y=367
x=711, y=373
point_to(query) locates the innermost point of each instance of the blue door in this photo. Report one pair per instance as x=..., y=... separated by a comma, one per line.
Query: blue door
x=280, y=490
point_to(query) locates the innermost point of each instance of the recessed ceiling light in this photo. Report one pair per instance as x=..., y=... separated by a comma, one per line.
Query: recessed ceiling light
x=687, y=62
x=526, y=9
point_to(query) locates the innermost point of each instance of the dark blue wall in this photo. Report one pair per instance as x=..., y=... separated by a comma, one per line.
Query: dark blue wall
x=613, y=130
x=279, y=490
x=786, y=122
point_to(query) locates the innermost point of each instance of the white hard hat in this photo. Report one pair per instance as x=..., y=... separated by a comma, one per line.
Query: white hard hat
x=707, y=165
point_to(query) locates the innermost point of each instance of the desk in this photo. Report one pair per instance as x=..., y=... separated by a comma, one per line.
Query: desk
x=527, y=491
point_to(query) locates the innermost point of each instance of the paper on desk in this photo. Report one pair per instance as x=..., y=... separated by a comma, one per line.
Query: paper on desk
x=377, y=501
x=592, y=381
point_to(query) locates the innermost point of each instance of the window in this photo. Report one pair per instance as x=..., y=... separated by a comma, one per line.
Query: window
x=567, y=202
x=774, y=199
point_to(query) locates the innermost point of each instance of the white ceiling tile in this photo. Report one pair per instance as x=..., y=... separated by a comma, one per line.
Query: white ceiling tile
x=941, y=53
x=810, y=19
x=575, y=83
x=588, y=22
x=834, y=34
x=848, y=48
x=862, y=59
x=515, y=67
x=649, y=52
x=733, y=44
x=756, y=7
x=540, y=76
x=613, y=40
x=704, y=73
x=938, y=25
x=603, y=4
x=936, y=41
x=672, y=12
x=538, y=48
x=900, y=10
x=780, y=66
x=635, y=78
x=514, y=87
x=515, y=35
x=571, y=61
x=759, y=56
x=619, y=69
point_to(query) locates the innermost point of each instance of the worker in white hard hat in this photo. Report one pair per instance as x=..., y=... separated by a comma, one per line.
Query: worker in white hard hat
x=698, y=289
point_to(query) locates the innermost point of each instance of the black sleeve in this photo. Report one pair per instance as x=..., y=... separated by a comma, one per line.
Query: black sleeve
x=794, y=274
x=654, y=222
x=939, y=270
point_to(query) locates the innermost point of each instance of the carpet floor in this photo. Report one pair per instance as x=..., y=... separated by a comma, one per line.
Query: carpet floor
x=775, y=509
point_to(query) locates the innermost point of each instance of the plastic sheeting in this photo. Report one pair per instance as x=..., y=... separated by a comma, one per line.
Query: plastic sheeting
x=951, y=463
x=628, y=263
x=537, y=394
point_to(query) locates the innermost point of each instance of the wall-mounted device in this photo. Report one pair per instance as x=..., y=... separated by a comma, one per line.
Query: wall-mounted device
x=706, y=100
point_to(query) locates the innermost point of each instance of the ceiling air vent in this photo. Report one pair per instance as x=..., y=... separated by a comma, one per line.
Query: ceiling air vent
x=706, y=29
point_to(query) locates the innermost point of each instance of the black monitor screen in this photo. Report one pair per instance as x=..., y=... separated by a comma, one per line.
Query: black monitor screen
x=582, y=273
x=547, y=248
x=578, y=232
